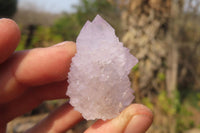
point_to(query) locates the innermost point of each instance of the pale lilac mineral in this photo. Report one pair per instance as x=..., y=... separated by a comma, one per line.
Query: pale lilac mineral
x=99, y=86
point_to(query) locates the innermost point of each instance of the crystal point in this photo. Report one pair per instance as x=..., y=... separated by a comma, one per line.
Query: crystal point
x=99, y=86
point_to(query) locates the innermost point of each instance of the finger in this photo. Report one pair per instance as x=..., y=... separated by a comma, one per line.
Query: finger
x=9, y=38
x=31, y=99
x=33, y=68
x=135, y=118
x=59, y=121
x=45, y=65
x=3, y=128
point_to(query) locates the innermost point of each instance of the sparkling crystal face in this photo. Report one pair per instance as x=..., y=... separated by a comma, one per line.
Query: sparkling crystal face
x=99, y=86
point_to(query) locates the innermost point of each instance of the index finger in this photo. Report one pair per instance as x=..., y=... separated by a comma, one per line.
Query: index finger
x=9, y=38
x=33, y=68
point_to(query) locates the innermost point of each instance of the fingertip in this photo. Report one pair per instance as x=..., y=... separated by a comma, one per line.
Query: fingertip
x=139, y=109
x=138, y=124
x=69, y=46
x=141, y=120
x=9, y=38
x=45, y=65
x=136, y=118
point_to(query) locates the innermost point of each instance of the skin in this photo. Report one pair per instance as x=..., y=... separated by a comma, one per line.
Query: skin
x=27, y=78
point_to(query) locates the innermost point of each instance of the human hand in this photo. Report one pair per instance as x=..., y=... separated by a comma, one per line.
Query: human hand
x=30, y=77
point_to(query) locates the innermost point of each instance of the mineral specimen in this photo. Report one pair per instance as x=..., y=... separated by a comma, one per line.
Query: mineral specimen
x=99, y=86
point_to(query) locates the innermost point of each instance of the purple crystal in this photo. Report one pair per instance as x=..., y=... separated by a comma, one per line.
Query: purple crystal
x=99, y=86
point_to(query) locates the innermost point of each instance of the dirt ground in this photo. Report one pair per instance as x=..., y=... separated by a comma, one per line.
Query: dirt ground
x=161, y=124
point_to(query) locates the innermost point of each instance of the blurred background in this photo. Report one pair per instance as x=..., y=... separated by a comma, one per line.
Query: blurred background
x=163, y=34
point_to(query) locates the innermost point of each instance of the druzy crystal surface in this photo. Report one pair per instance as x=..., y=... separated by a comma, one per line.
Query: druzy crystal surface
x=99, y=86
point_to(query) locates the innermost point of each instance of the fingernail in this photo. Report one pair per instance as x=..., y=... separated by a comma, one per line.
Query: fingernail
x=60, y=44
x=1, y=19
x=138, y=124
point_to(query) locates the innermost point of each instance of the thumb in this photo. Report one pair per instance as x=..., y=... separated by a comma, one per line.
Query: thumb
x=136, y=118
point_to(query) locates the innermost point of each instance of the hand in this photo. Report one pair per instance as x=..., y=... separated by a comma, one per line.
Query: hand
x=30, y=77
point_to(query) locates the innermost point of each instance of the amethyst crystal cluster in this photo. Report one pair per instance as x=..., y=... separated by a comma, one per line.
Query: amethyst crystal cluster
x=99, y=86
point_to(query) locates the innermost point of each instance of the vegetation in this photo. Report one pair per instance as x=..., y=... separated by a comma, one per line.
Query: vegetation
x=7, y=8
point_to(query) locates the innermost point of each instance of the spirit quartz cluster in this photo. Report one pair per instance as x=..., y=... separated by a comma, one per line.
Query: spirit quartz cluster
x=99, y=86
